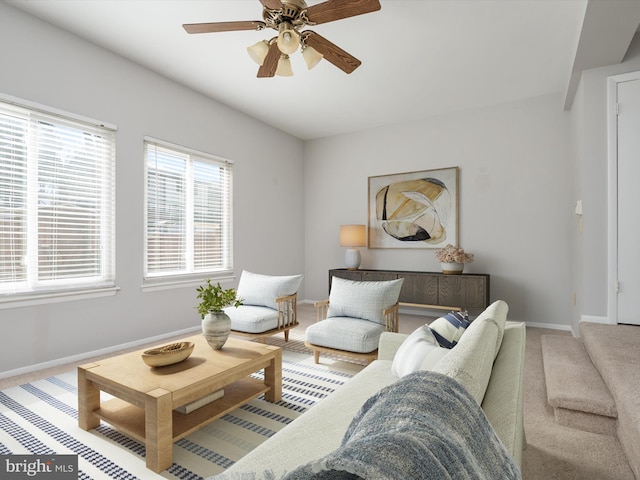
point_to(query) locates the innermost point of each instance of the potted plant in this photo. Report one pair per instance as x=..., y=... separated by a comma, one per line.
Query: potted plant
x=452, y=259
x=216, y=325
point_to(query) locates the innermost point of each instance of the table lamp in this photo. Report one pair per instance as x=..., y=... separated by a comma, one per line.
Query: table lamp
x=352, y=236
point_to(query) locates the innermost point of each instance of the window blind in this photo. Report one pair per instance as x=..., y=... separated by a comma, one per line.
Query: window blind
x=189, y=213
x=56, y=202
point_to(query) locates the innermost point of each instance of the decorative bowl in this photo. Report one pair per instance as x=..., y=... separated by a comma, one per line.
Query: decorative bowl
x=167, y=354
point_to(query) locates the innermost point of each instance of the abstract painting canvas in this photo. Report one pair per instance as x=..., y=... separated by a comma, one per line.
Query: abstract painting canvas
x=414, y=210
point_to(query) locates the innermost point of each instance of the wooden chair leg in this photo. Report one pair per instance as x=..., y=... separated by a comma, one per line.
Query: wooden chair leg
x=316, y=356
x=286, y=335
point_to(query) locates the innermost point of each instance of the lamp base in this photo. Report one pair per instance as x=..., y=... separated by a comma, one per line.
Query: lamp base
x=352, y=258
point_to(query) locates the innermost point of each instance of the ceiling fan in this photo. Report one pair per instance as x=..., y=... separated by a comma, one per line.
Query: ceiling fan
x=289, y=17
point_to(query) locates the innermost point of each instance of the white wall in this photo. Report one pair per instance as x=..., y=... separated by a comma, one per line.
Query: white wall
x=46, y=65
x=516, y=206
x=522, y=167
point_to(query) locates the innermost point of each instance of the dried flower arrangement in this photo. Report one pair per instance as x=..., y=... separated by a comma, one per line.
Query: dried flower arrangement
x=451, y=254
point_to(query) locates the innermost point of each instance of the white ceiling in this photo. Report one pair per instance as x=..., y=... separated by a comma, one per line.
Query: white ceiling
x=419, y=58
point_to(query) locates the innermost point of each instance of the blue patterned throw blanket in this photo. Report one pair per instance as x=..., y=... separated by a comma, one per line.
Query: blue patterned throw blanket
x=426, y=426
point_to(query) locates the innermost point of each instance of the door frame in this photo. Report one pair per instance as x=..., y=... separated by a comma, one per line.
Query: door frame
x=612, y=195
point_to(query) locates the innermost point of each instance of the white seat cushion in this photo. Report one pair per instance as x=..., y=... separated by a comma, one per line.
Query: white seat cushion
x=365, y=300
x=345, y=333
x=262, y=290
x=252, y=318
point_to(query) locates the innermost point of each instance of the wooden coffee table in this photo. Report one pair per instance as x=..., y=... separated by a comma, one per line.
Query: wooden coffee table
x=147, y=397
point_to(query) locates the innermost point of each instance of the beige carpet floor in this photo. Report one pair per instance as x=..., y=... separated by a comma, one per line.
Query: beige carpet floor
x=553, y=452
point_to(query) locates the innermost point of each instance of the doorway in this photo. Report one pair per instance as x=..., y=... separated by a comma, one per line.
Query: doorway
x=624, y=199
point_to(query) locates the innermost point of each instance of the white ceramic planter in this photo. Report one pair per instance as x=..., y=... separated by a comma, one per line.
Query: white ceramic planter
x=452, y=268
x=216, y=327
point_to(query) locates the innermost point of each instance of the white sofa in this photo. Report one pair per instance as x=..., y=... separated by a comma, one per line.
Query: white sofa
x=320, y=430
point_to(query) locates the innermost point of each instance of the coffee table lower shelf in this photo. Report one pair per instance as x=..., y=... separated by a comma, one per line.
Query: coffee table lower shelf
x=130, y=419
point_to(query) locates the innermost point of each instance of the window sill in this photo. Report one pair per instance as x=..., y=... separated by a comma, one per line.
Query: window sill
x=31, y=299
x=169, y=283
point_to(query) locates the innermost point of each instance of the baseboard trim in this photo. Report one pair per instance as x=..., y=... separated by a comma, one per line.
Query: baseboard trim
x=551, y=326
x=594, y=319
x=96, y=353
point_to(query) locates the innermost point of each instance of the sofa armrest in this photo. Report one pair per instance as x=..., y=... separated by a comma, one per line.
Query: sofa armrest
x=389, y=344
x=503, y=401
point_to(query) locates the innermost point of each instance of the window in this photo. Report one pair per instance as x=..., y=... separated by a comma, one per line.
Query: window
x=188, y=212
x=56, y=203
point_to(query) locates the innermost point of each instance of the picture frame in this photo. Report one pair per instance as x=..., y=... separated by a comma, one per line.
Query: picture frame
x=414, y=209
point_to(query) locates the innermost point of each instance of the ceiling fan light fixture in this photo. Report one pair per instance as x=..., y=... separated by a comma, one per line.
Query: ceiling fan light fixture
x=284, y=67
x=288, y=38
x=311, y=56
x=258, y=51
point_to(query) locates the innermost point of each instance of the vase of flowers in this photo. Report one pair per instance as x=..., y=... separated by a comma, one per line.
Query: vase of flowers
x=216, y=324
x=452, y=259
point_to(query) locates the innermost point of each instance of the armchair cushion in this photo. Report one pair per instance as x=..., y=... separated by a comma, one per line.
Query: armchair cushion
x=345, y=333
x=252, y=318
x=366, y=300
x=262, y=290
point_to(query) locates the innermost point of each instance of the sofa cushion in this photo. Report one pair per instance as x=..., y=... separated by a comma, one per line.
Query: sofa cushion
x=497, y=312
x=345, y=333
x=449, y=328
x=365, y=300
x=252, y=318
x=471, y=360
x=262, y=290
x=420, y=351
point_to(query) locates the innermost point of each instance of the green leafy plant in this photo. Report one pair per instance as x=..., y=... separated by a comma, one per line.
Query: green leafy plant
x=214, y=298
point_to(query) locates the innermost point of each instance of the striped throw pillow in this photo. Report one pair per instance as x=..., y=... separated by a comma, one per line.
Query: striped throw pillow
x=449, y=329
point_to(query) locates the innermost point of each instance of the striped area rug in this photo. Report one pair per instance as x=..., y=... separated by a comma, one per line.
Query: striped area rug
x=41, y=418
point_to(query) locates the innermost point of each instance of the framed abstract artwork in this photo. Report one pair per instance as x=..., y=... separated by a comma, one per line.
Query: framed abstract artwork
x=414, y=210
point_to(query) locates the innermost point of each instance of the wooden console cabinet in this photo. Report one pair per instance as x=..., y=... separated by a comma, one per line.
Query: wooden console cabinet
x=429, y=289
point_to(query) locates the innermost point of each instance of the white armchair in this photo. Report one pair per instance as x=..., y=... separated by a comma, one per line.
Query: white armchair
x=351, y=321
x=269, y=305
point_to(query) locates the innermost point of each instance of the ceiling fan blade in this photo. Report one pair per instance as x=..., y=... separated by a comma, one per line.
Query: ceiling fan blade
x=338, y=9
x=270, y=64
x=272, y=4
x=223, y=26
x=332, y=53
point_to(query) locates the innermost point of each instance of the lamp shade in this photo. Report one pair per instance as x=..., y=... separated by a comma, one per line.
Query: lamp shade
x=353, y=235
x=284, y=67
x=288, y=39
x=311, y=56
x=258, y=51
